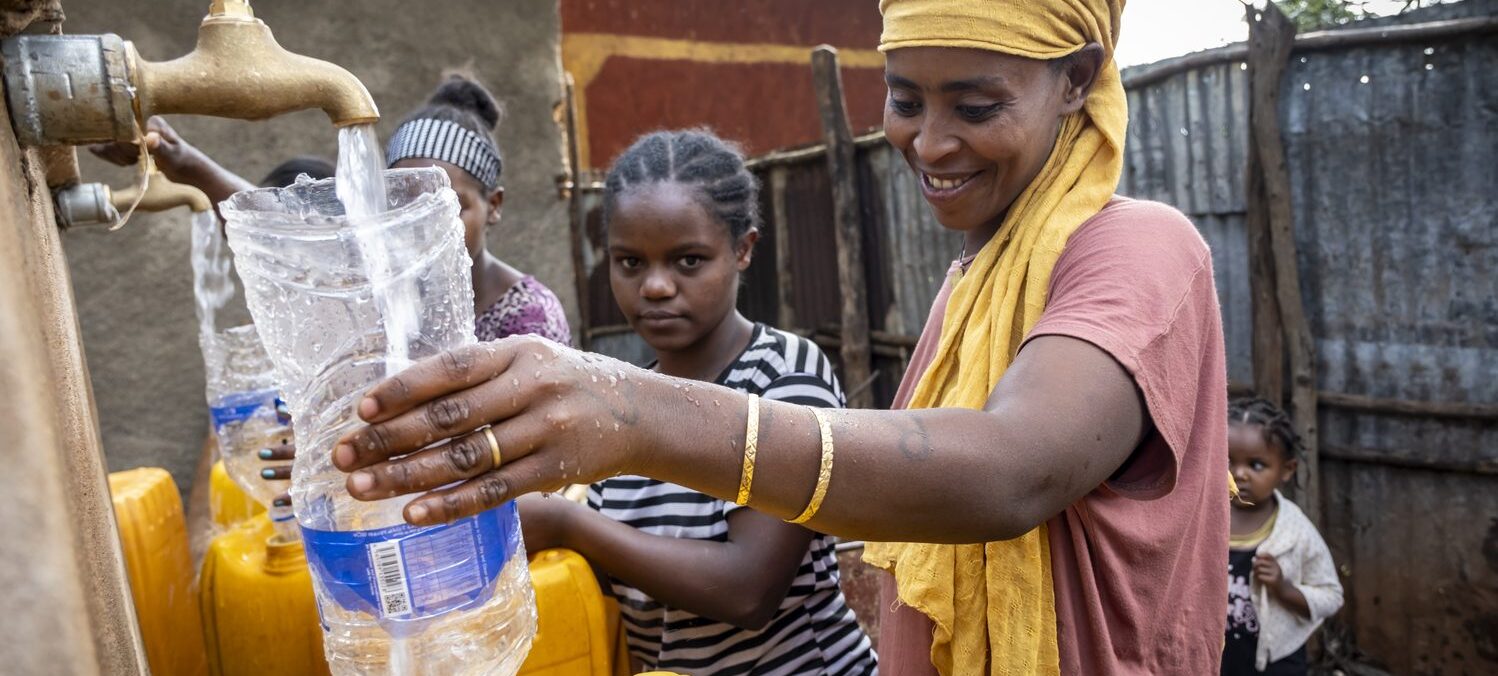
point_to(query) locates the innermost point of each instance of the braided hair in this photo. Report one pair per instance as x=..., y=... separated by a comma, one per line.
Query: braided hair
x=694, y=158
x=1266, y=416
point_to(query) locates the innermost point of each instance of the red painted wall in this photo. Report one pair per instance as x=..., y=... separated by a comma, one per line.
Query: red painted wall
x=763, y=103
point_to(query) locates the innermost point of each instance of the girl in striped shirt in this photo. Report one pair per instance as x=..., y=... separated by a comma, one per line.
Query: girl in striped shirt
x=705, y=587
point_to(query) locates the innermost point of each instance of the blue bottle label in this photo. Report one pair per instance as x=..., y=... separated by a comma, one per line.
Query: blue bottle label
x=241, y=406
x=410, y=573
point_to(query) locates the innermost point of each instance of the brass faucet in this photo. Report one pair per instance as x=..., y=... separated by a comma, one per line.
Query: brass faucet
x=161, y=195
x=239, y=71
x=97, y=204
x=76, y=89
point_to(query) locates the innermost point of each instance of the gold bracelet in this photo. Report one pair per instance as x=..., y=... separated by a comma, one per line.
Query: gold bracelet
x=751, y=447
x=824, y=475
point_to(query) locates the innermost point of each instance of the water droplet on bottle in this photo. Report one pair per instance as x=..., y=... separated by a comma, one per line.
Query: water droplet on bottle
x=1430, y=66
x=1363, y=79
x=1184, y=132
x=1430, y=50
x=1306, y=86
x=1242, y=65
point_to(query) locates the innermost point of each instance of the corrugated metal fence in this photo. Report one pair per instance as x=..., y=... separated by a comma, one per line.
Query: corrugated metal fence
x=1392, y=148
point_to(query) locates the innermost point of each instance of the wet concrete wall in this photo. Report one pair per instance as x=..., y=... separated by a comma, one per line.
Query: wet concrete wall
x=134, y=286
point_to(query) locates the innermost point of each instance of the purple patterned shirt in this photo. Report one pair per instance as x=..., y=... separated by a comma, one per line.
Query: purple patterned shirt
x=528, y=307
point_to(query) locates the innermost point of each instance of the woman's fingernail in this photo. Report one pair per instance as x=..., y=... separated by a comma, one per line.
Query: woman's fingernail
x=361, y=481
x=266, y=454
x=417, y=512
x=343, y=455
x=368, y=407
x=267, y=474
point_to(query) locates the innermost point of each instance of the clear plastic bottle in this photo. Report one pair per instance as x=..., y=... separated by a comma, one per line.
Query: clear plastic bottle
x=245, y=407
x=453, y=599
x=240, y=384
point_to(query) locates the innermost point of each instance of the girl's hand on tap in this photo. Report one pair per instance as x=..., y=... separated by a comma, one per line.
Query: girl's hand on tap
x=176, y=158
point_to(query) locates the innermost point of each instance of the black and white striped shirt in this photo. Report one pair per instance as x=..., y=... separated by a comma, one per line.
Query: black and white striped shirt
x=814, y=632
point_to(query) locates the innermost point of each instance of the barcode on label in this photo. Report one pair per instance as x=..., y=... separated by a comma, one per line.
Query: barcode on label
x=390, y=576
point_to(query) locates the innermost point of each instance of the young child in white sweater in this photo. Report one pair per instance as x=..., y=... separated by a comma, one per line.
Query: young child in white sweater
x=1281, y=579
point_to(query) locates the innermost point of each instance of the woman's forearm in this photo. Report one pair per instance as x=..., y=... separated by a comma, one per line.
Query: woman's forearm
x=913, y=471
x=1064, y=418
x=908, y=475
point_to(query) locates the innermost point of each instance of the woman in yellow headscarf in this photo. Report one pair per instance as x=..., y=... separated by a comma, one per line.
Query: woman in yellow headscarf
x=1050, y=500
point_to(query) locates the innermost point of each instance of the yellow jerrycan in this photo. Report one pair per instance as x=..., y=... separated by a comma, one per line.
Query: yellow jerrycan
x=259, y=612
x=572, y=635
x=153, y=534
x=227, y=503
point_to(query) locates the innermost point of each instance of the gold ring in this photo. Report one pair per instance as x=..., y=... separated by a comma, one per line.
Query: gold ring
x=493, y=446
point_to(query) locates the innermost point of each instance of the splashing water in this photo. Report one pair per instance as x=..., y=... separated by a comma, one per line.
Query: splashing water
x=212, y=271
x=361, y=187
x=360, y=184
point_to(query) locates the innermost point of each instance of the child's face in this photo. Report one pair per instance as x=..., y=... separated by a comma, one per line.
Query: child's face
x=673, y=267
x=1258, y=465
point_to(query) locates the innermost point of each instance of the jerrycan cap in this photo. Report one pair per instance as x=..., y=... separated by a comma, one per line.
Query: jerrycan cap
x=284, y=554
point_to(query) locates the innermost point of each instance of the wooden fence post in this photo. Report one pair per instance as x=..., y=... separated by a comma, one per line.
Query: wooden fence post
x=1268, y=328
x=1271, y=36
x=850, y=273
x=577, y=217
x=784, y=281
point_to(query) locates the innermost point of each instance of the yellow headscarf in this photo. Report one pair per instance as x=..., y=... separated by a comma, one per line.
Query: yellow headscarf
x=993, y=604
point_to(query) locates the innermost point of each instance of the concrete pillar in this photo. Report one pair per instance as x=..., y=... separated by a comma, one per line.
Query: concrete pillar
x=64, y=596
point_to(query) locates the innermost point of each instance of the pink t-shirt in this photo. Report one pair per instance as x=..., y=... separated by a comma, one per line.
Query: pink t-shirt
x=1137, y=563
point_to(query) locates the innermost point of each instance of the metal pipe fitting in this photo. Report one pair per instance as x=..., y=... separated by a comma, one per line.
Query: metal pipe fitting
x=84, y=204
x=68, y=89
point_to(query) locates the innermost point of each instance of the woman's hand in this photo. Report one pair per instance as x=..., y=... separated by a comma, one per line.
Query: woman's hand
x=559, y=416
x=282, y=452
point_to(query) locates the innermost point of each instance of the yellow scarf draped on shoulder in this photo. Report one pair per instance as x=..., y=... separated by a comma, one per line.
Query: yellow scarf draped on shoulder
x=993, y=604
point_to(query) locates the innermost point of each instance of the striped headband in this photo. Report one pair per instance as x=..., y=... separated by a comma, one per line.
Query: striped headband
x=449, y=142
